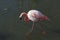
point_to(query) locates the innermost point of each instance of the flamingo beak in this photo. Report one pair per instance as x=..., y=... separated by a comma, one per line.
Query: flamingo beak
x=20, y=18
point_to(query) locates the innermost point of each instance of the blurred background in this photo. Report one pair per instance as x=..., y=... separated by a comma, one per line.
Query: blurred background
x=12, y=28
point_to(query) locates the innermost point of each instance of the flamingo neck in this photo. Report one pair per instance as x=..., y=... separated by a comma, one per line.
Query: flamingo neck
x=24, y=14
x=26, y=19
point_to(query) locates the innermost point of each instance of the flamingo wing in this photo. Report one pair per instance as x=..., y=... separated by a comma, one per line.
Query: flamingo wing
x=35, y=15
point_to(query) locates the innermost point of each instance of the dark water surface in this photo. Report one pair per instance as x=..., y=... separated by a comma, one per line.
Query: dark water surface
x=11, y=28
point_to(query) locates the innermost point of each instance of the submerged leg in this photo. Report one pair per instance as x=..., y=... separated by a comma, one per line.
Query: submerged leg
x=43, y=29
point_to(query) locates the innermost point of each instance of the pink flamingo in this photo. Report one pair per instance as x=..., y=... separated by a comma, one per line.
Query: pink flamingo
x=34, y=16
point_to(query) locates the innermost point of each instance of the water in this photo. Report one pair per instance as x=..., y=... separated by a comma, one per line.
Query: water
x=11, y=28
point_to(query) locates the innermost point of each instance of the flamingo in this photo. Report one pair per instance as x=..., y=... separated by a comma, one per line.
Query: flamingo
x=34, y=16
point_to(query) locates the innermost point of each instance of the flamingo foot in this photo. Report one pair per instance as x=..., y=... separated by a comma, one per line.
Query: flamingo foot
x=44, y=33
x=29, y=32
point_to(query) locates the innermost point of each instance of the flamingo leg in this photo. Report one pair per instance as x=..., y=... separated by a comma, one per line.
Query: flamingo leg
x=31, y=30
x=33, y=26
x=43, y=29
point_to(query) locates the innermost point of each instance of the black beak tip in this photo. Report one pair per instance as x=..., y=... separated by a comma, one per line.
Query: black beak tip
x=20, y=18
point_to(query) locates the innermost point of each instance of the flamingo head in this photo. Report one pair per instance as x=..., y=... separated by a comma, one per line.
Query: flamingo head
x=23, y=14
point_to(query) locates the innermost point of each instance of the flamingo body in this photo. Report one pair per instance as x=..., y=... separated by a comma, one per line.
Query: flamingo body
x=34, y=15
